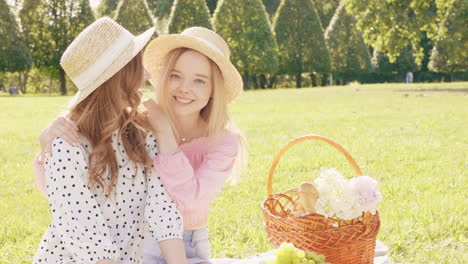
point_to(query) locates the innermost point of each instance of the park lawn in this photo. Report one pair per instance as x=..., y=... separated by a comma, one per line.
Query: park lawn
x=412, y=138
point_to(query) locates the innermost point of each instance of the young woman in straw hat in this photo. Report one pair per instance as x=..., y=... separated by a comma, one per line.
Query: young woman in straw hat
x=103, y=191
x=199, y=145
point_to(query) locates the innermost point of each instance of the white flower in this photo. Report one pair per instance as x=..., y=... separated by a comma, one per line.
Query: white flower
x=367, y=191
x=345, y=199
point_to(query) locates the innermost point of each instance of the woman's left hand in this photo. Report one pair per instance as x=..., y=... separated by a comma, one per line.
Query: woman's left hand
x=161, y=126
x=157, y=117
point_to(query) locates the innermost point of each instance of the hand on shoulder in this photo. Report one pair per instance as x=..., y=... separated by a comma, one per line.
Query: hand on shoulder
x=60, y=127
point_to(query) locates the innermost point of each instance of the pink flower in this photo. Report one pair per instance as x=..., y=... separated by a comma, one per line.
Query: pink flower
x=367, y=191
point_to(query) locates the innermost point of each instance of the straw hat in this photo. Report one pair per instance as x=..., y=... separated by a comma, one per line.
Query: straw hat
x=99, y=52
x=202, y=40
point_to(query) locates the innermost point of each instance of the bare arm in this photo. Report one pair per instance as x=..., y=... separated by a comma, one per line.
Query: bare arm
x=173, y=251
x=39, y=175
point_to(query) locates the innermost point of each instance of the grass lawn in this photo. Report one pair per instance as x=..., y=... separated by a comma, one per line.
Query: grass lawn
x=412, y=138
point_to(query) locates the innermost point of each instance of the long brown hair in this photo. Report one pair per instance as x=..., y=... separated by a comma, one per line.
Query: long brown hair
x=113, y=106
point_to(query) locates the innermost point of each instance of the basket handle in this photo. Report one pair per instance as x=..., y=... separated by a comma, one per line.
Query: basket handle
x=303, y=138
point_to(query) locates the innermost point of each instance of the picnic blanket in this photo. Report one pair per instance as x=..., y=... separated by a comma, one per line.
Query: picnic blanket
x=380, y=257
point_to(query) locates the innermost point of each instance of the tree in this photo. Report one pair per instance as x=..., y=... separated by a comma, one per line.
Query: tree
x=404, y=63
x=84, y=17
x=326, y=9
x=189, y=13
x=14, y=55
x=390, y=26
x=68, y=19
x=134, y=15
x=349, y=55
x=450, y=52
x=299, y=35
x=52, y=29
x=107, y=8
x=32, y=17
x=245, y=27
x=160, y=8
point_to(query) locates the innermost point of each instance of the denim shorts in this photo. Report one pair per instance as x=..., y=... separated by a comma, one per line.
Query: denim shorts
x=197, y=248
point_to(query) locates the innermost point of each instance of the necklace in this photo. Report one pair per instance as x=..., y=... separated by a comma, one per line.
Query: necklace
x=190, y=137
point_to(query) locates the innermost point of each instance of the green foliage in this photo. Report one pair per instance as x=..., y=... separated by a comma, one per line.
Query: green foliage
x=245, y=27
x=14, y=55
x=299, y=35
x=390, y=26
x=450, y=53
x=84, y=17
x=134, y=15
x=405, y=62
x=160, y=8
x=326, y=9
x=61, y=21
x=349, y=55
x=189, y=13
x=50, y=26
x=107, y=8
x=442, y=8
x=32, y=16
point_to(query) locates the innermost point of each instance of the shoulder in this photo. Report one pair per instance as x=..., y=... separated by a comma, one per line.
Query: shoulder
x=228, y=142
x=65, y=153
x=229, y=137
x=61, y=148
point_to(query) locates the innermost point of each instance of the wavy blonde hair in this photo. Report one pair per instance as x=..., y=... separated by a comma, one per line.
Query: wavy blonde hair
x=215, y=113
x=113, y=106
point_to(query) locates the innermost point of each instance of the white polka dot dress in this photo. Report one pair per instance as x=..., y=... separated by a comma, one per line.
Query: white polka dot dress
x=88, y=225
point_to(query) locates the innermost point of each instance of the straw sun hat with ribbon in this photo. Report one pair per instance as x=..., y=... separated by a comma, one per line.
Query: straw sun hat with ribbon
x=202, y=40
x=99, y=52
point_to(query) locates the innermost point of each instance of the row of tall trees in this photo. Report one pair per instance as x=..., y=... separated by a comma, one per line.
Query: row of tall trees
x=268, y=38
x=391, y=26
x=47, y=28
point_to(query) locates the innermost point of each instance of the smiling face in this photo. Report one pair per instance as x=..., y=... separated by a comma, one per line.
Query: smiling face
x=190, y=83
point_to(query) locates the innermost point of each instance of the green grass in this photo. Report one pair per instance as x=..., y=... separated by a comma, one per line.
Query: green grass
x=412, y=138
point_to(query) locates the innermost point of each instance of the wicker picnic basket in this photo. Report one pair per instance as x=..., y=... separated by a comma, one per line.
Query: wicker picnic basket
x=342, y=242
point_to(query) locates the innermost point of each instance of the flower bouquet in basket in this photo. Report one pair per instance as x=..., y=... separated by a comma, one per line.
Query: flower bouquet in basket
x=331, y=195
x=332, y=215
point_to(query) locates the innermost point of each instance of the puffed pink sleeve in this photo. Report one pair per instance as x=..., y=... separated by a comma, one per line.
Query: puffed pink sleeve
x=39, y=175
x=195, y=188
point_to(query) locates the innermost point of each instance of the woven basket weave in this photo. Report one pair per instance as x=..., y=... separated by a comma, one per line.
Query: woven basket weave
x=342, y=242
